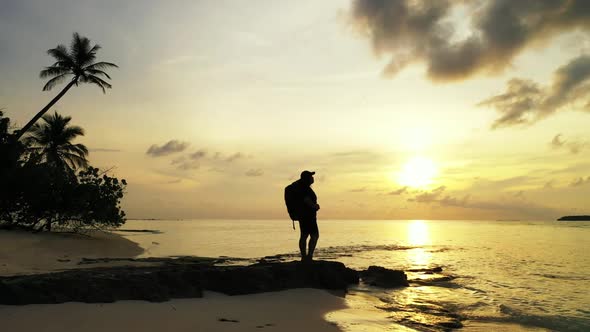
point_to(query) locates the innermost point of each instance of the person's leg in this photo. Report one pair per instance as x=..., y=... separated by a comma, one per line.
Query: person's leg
x=315, y=235
x=302, y=245
x=303, y=228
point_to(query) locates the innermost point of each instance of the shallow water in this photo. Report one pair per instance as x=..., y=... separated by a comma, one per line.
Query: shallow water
x=508, y=275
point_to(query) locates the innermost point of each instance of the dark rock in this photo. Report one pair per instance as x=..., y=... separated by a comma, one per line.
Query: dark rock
x=265, y=277
x=437, y=269
x=574, y=218
x=181, y=279
x=385, y=278
x=451, y=324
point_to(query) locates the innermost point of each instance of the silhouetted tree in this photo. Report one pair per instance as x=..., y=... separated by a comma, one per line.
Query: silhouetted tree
x=40, y=188
x=11, y=165
x=79, y=65
x=51, y=142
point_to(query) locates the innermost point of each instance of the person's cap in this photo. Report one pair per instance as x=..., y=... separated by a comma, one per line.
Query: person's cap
x=306, y=174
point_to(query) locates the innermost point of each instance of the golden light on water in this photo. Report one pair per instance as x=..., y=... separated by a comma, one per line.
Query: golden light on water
x=417, y=172
x=418, y=233
x=418, y=236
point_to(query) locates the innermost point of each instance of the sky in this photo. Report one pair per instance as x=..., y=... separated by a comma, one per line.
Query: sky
x=405, y=109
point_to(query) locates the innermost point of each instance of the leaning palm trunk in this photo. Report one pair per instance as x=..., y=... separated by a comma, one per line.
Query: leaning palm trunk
x=46, y=108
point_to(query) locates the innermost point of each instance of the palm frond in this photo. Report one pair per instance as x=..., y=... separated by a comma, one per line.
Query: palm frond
x=31, y=141
x=55, y=81
x=70, y=133
x=97, y=72
x=94, y=49
x=37, y=134
x=79, y=46
x=77, y=149
x=61, y=54
x=54, y=70
x=52, y=138
x=101, y=83
x=56, y=119
x=82, y=51
x=102, y=65
x=73, y=160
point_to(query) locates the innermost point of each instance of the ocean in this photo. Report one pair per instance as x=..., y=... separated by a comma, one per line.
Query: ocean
x=496, y=275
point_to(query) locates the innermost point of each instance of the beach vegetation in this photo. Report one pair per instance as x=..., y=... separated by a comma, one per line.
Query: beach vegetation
x=47, y=182
x=51, y=142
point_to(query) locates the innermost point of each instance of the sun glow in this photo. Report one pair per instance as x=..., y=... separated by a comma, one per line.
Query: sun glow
x=417, y=172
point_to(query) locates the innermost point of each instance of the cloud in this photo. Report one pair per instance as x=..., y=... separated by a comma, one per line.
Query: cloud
x=185, y=164
x=427, y=31
x=556, y=142
x=573, y=146
x=192, y=161
x=398, y=191
x=526, y=102
x=254, y=172
x=435, y=196
x=580, y=181
x=234, y=157
x=358, y=190
x=170, y=147
x=231, y=158
x=514, y=204
x=198, y=155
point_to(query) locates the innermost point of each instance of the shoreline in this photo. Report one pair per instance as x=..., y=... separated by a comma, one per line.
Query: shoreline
x=87, y=281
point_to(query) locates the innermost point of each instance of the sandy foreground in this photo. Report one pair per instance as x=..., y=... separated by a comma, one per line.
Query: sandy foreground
x=26, y=253
x=290, y=310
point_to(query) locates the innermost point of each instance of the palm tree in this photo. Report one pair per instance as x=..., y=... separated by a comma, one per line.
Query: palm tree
x=77, y=63
x=52, y=143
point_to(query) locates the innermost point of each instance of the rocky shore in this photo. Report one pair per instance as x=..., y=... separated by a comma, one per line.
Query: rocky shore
x=187, y=277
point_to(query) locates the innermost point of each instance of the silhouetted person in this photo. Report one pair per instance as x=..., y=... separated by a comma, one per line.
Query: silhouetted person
x=302, y=203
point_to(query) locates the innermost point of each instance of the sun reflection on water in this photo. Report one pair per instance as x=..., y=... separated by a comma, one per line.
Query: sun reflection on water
x=418, y=236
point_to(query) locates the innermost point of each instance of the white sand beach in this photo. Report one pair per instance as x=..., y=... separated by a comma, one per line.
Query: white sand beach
x=290, y=310
x=26, y=253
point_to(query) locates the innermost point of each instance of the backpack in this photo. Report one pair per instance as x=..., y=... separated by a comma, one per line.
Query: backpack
x=291, y=200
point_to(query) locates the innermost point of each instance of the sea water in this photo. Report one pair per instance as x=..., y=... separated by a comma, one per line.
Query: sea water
x=496, y=275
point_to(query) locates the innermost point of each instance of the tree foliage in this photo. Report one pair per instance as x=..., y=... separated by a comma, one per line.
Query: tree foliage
x=38, y=194
x=78, y=64
x=51, y=142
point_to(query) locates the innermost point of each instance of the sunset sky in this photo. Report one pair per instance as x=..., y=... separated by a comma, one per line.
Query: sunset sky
x=405, y=109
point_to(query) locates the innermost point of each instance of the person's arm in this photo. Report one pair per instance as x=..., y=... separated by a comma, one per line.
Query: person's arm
x=309, y=202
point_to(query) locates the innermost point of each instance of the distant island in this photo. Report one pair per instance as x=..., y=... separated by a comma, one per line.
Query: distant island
x=574, y=218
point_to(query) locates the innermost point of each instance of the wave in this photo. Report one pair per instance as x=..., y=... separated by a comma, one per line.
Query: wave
x=511, y=315
x=335, y=252
x=562, y=277
x=426, y=315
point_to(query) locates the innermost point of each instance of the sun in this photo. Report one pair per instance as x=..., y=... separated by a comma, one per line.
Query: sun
x=418, y=172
